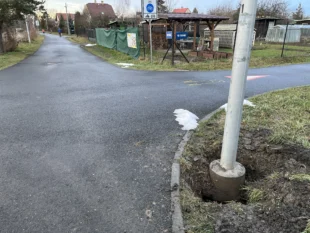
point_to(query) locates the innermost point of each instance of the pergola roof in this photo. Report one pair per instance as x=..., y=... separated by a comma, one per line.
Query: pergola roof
x=192, y=17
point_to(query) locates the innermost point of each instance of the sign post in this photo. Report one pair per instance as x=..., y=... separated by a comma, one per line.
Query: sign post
x=151, y=41
x=149, y=13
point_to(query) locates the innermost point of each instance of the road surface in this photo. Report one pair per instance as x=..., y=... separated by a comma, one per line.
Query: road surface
x=87, y=147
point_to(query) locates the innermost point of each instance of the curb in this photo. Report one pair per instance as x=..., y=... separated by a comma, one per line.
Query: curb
x=177, y=218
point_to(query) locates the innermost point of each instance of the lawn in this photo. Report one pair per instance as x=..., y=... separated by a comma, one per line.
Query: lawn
x=262, y=56
x=23, y=50
x=274, y=147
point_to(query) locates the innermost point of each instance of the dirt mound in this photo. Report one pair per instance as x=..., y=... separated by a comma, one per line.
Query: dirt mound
x=276, y=196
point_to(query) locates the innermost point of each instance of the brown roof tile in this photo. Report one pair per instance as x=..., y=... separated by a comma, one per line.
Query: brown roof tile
x=96, y=9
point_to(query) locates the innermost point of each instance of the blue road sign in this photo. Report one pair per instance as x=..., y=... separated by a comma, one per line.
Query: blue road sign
x=150, y=8
x=182, y=35
x=169, y=35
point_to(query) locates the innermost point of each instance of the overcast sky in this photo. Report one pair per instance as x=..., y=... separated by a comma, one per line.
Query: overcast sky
x=202, y=5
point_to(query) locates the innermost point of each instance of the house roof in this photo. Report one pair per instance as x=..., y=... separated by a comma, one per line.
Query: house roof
x=97, y=9
x=64, y=15
x=181, y=10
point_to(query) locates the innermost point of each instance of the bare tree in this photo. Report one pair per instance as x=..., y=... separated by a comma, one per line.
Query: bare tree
x=224, y=10
x=171, y=4
x=299, y=13
x=265, y=8
x=162, y=8
x=272, y=8
x=121, y=8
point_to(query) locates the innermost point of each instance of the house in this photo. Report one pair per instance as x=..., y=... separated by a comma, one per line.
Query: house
x=182, y=11
x=64, y=16
x=95, y=10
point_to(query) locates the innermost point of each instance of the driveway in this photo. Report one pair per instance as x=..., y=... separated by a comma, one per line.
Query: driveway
x=87, y=147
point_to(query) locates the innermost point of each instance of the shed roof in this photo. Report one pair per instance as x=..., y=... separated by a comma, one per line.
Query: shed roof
x=224, y=27
x=292, y=27
x=301, y=20
x=191, y=17
x=267, y=18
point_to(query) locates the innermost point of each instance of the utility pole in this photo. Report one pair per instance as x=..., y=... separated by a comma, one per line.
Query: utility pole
x=228, y=175
x=27, y=27
x=69, y=32
x=46, y=22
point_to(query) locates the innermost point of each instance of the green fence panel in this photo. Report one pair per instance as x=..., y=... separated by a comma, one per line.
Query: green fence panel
x=106, y=38
x=127, y=41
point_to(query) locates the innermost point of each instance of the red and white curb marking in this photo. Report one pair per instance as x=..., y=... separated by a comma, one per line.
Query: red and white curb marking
x=252, y=77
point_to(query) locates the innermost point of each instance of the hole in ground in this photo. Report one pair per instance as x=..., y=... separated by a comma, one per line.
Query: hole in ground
x=259, y=158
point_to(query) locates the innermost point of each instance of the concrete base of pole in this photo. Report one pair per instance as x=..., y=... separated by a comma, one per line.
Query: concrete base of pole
x=227, y=183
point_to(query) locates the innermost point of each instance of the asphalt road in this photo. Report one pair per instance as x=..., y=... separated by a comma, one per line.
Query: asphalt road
x=87, y=147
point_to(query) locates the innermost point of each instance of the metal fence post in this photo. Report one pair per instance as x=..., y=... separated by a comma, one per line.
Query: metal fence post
x=236, y=32
x=284, y=38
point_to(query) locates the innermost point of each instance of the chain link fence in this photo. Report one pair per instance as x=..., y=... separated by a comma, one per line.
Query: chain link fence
x=286, y=41
x=297, y=41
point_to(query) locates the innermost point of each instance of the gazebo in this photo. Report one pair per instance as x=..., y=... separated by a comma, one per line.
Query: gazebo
x=174, y=19
x=210, y=20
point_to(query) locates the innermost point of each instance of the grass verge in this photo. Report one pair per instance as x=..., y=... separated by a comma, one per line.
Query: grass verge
x=79, y=40
x=23, y=50
x=114, y=57
x=274, y=147
x=286, y=113
x=262, y=56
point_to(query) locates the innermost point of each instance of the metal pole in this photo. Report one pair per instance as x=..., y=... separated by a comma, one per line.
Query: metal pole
x=69, y=33
x=284, y=38
x=143, y=42
x=151, y=41
x=238, y=82
x=236, y=35
x=173, y=43
x=27, y=27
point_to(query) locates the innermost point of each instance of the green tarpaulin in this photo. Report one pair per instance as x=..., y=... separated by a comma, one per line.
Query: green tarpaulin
x=125, y=41
x=106, y=38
